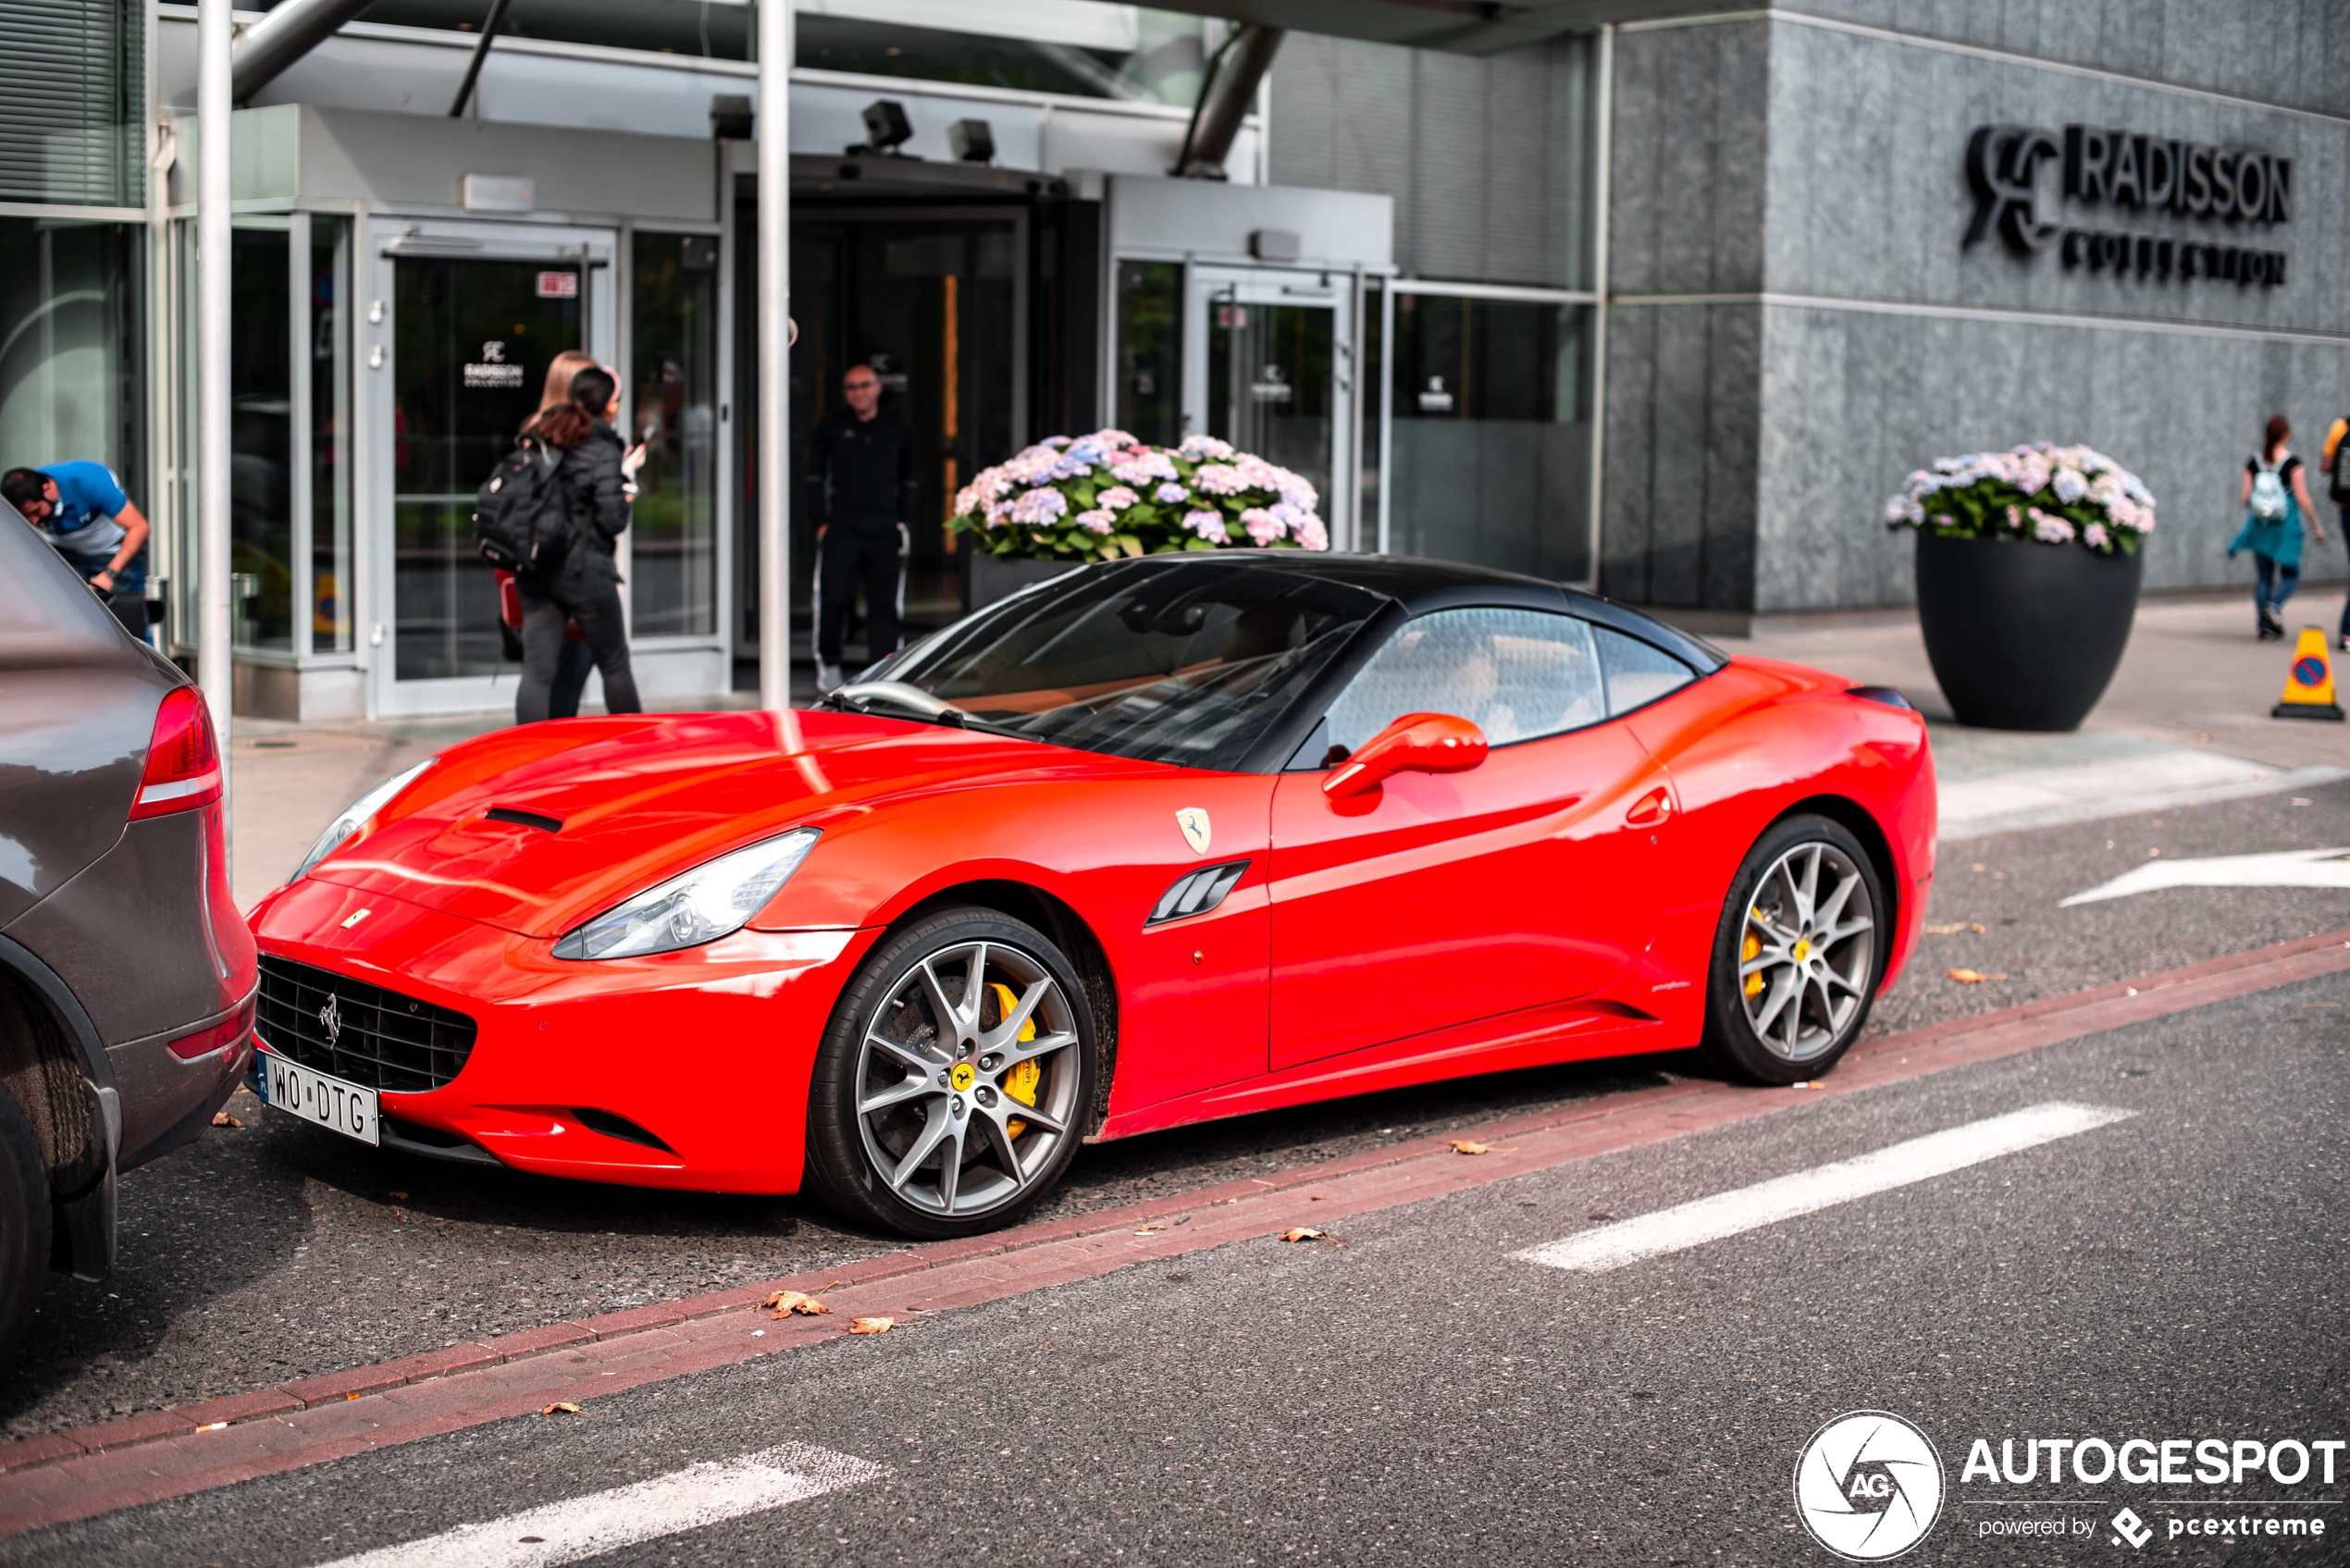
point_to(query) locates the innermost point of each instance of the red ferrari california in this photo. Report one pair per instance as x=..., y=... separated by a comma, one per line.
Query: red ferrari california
x=1155, y=842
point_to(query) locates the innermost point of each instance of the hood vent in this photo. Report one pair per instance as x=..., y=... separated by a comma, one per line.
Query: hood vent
x=524, y=818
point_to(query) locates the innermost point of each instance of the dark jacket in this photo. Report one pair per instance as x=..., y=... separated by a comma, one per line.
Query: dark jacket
x=591, y=472
x=860, y=471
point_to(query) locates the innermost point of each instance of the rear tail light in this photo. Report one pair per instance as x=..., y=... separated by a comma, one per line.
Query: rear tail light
x=228, y=1031
x=183, y=761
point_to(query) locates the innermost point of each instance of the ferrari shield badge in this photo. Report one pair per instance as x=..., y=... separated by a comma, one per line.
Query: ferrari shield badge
x=1194, y=821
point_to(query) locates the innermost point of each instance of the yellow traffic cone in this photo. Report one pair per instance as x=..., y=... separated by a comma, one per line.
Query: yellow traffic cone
x=2309, y=687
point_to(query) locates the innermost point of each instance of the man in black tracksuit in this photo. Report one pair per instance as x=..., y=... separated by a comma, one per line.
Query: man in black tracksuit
x=861, y=487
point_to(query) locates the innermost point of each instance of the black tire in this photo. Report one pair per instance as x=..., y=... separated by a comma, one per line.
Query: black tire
x=1823, y=985
x=969, y=1094
x=24, y=1224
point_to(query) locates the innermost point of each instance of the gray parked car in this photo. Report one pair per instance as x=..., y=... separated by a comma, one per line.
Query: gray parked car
x=127, y=975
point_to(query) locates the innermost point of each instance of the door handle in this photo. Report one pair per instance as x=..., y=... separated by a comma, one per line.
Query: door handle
x=1651, y=809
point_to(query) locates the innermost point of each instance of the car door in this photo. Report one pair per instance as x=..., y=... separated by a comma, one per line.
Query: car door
x=1440, y=899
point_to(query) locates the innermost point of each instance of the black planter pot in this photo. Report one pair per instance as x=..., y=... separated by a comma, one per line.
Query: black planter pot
x=2023, y=636
x=1000, y=577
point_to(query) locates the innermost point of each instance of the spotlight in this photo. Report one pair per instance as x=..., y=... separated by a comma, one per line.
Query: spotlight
x=885, y=126
x=730, y=117
x=971, y=141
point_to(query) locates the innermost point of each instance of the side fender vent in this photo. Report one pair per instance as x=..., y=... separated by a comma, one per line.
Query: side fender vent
x=1196, y=893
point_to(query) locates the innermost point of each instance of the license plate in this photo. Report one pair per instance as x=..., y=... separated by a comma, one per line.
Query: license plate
x=347, y=1109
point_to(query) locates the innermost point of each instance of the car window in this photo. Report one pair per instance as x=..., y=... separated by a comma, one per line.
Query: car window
x=1638, y=673
x=1187, y=663
x=1515, y=673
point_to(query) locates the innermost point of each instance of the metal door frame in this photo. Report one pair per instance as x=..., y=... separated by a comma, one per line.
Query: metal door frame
x=1205, y=284
x=387, y=239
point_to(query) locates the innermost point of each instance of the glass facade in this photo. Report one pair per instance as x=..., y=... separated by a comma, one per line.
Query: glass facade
x=1129, y=52
x=261, y=550
x=1269, y=383
x=69, y=358
x=674, y=411
x=1150, y=351
x=472, y=339
x=1490, y=458
x=325, y=343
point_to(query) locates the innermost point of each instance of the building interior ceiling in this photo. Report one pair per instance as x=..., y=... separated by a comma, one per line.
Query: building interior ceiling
x=1470, y=26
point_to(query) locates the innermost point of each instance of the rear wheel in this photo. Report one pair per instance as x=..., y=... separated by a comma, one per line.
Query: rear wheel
x=1798, y=956
x=952, y=1079
x=24, y=1224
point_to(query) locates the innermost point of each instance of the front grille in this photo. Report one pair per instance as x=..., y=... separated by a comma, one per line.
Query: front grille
x=381, y=1038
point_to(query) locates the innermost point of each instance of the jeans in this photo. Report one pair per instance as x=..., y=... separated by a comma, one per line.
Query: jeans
x=2276, y=585
x=587, y=591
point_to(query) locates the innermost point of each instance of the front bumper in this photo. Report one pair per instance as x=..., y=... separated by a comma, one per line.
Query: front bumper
x=709, y=1049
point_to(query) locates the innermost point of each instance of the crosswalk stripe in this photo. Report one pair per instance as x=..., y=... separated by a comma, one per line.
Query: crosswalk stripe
x=1807, y=1191
x=589, y=1526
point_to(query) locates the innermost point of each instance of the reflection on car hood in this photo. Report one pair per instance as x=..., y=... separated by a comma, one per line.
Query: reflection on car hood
x=640, y=799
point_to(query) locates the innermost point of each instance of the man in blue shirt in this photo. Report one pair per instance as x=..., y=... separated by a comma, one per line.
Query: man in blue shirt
x=77, y=506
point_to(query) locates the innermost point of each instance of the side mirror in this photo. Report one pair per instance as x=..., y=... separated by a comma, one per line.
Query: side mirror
x=1417, y=742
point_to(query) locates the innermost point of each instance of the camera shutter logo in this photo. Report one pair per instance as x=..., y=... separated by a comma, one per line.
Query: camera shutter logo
x=330, y=1018
x=2127, y=1527
x=1868, y=1485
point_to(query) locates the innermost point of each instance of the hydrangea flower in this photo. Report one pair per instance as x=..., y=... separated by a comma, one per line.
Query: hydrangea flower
x=2093, y=536
x=1117, y=497
x=1198, y=449
x=2052, y=531
x=1208, y=525
x=1170, y=494
x=2069, y=485
x=1098, y=520
x=1220, y=479
x=1143, y=467
x=1262, y=525
x=1039, y=509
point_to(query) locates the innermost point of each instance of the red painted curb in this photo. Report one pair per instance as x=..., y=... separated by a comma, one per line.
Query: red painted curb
x=443, y=1390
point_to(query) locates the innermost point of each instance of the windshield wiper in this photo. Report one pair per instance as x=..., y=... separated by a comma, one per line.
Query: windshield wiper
x=911, y=702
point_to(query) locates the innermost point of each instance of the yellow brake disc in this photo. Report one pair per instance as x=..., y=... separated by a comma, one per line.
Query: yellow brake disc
x=1021, y=1082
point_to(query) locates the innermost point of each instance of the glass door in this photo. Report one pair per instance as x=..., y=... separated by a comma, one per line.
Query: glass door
x=1269, y=367
x=462, y=337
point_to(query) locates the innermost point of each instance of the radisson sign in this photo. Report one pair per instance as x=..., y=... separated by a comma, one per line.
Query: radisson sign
x=2128, y=171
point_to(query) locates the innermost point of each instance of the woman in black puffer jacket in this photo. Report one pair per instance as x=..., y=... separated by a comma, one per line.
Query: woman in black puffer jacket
x=600, y=476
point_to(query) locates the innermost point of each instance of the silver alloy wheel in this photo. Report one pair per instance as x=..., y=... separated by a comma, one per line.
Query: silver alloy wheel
x=945, y=1081
x=1808, y=951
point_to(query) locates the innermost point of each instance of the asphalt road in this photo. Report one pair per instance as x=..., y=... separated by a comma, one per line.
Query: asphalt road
x=1421, y=1395
x=276, y=1251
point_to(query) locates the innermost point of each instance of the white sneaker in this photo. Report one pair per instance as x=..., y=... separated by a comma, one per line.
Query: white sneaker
x=828, y=678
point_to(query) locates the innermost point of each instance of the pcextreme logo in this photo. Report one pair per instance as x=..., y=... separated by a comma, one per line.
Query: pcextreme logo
x=1868, y=1485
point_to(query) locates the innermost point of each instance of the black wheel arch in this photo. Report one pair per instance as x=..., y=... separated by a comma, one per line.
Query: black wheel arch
x=1856, y=820
x=54, y=1062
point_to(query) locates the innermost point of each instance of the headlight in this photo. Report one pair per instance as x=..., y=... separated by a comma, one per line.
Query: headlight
x=701, y=906
x=355, y=815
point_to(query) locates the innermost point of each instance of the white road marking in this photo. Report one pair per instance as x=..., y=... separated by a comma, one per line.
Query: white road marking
x=2286, y=867
x=602, y=1522
x=1807, y=1191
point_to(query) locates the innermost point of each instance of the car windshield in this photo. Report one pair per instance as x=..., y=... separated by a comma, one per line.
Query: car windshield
x=1187, y=661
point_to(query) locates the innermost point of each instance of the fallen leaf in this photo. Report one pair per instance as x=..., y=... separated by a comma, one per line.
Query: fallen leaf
x=1148, y=1228
x=1301, y=1233
x=564, y=1406
x=1978, y=925
x=397, y=1197
x=1471, y=1146
x=1945, y=931
x=1966, y=977
x=1978, y=866
x=782, y=1303
x=222, y=1118
x=873, y=1326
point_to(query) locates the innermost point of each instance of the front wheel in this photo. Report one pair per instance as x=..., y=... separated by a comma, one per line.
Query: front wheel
x=951, y=1084
x=1798, y=958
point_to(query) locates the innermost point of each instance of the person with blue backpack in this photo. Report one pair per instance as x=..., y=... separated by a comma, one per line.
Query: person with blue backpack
x=2275, y=498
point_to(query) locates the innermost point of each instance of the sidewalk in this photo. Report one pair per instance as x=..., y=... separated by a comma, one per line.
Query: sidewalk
x=2185, y=721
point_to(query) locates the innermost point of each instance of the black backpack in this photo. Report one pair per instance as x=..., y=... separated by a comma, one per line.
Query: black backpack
x=2341, y=486
x=522, y=513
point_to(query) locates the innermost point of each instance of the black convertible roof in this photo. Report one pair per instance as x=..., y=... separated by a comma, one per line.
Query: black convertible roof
x=1420, y=586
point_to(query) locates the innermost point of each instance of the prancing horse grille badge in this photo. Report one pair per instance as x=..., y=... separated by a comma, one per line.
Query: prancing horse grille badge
x=330, y=1018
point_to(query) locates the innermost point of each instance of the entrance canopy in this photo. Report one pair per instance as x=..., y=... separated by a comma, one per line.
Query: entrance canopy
x=1468, y=27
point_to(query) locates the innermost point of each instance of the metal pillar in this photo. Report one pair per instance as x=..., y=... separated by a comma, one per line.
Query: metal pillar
x=773, y=130
x=215, y=667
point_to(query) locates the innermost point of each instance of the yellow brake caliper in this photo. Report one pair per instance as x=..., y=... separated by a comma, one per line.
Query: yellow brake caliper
x=1021, y=1082
x=1748, y=952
